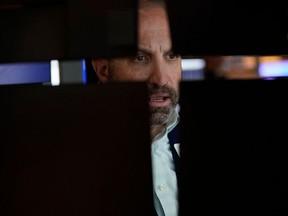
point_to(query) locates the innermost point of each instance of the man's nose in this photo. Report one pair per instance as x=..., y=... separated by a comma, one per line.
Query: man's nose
x=159, y=74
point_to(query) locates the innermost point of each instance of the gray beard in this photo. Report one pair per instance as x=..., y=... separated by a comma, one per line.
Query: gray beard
x=160, y=115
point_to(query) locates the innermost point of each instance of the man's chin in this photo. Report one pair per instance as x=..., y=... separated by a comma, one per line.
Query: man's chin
x=160, y=115
x=159, y=119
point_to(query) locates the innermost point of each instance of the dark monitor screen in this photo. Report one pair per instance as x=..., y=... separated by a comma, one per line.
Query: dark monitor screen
x=33, y=30
x=223, y=27
x=75, y=150
x=233, y=147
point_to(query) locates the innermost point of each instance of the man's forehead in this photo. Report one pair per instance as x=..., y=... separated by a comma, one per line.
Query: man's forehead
x=153, y=29
x=153, y=38
x=151, y=49
x=153, y=23
x=154, y=32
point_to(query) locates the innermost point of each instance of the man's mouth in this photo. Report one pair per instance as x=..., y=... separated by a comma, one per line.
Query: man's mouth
x=159, y=100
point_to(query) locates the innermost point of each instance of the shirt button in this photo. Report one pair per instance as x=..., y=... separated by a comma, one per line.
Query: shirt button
x=161, y=187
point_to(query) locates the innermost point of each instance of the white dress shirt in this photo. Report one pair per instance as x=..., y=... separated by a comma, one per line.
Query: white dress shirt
x=164, y=175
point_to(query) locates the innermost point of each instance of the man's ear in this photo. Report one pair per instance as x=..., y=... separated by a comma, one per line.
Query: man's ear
x=101, y=69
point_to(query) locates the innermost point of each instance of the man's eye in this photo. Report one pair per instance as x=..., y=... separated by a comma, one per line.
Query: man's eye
x=139, y=58
x=172, y=56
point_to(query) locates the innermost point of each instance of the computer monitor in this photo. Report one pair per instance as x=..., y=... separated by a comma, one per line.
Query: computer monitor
x=33, y=30
x=75, y=150
x=233, y=147
x=224, y=27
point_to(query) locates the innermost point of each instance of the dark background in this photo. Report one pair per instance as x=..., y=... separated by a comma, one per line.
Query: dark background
x=33, y=30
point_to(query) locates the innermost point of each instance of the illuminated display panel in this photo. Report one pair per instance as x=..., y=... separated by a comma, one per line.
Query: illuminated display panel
x=24, y=73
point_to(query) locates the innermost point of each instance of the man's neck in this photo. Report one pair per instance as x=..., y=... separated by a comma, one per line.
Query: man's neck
x=155, y=130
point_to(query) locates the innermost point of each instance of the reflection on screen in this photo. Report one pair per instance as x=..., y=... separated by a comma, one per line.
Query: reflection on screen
x=24, y=73
x=273, y=69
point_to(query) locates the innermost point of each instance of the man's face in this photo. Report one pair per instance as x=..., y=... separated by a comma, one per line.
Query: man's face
x=155, y=63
